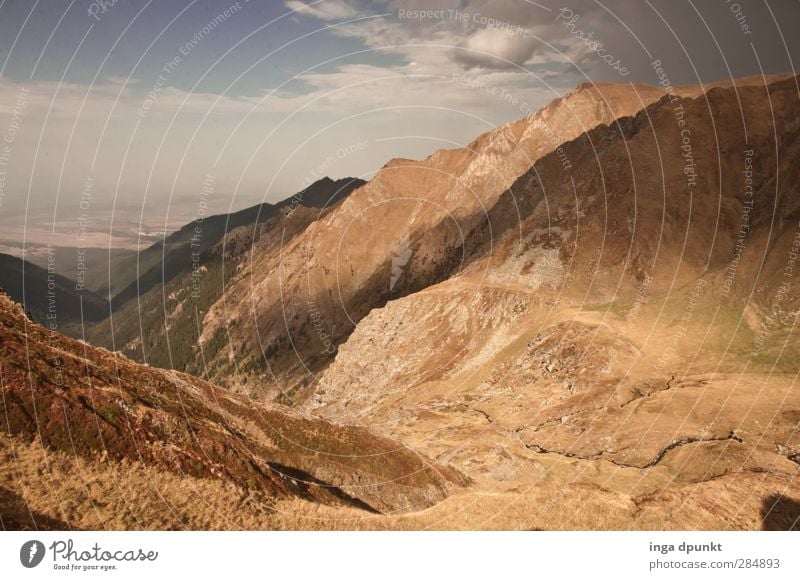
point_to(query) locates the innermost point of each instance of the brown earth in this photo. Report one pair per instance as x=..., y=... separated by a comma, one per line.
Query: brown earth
x=599, y=333
x=100, y=408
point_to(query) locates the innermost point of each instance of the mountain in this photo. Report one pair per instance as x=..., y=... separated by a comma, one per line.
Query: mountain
x=408, y=228
x=583, y=320
x=160, y=262
x=414, y=225
x=49, y=298
x=112, y=417
x=90, y=266
x=624, y=326
x=158, y=318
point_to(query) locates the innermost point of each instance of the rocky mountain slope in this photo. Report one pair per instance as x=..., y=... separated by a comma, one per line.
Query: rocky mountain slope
x=158, y=317
x=585, y=319
x=408, y=228
x=114, y=415
x=414, y=225
x=633, y=330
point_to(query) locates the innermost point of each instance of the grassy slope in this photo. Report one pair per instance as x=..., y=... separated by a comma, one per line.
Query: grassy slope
x=89, y=403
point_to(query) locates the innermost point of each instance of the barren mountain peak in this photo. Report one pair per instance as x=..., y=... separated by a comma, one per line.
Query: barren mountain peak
x=426, y=209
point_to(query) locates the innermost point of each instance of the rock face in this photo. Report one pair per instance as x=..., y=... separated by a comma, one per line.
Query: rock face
x=410, y=227
x=103, y=408
x=610, y=321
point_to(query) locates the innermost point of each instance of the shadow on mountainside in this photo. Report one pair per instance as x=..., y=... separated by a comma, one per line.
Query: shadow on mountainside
x=780, y=513
x=16, y=515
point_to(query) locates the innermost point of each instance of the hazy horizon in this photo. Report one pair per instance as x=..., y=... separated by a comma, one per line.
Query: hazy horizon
x=98, y=103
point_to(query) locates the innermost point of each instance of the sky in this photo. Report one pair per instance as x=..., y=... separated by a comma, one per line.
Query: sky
x=136, y=106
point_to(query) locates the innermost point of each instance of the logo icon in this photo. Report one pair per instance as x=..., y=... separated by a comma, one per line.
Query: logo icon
x=31, y=553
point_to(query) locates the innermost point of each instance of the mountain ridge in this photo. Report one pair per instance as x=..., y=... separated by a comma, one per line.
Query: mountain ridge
x=345, y=275
x=551, y=342
x=558, y=327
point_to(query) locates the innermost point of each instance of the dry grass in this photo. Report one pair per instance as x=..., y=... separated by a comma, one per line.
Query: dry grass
x=72, y=492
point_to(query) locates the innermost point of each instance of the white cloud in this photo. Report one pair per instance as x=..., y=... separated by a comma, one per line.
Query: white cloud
x=424, y=83
x=495, y=48
x=325, y=10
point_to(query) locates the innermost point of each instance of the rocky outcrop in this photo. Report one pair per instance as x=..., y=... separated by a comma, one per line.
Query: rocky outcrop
x=617, y=322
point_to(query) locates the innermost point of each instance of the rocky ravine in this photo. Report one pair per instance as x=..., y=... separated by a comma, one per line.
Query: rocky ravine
x=606, y=338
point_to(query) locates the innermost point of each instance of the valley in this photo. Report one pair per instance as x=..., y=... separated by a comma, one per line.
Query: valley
x=583, y=319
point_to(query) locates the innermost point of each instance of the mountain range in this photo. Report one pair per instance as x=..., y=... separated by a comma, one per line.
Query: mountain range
x=583, y=319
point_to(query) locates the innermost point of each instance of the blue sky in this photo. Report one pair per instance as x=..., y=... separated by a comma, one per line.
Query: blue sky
x=265, y=92
x=118, y=42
